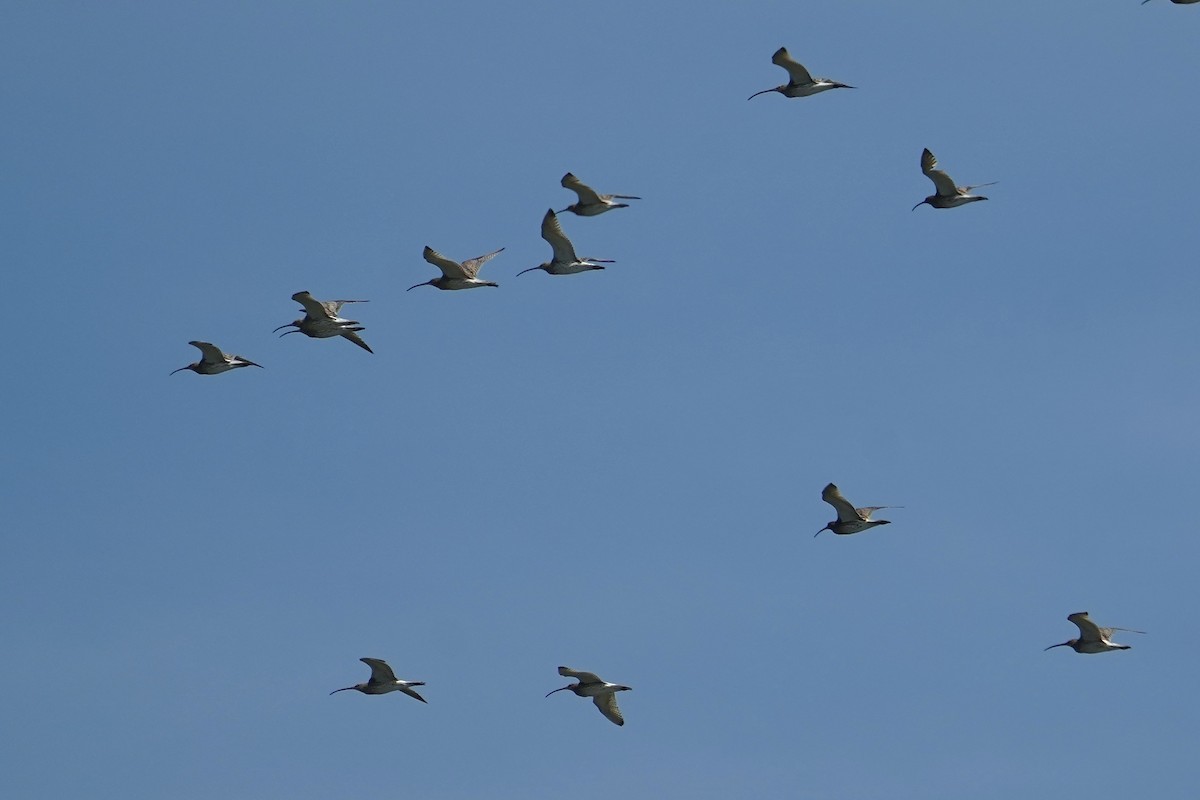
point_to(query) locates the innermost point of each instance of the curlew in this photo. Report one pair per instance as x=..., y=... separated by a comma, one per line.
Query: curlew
x=850, y=519
x=456, y=275
x=800, y=82
x=590, y=203
x=1092, y=638
x=564, y=262
x=321, y=320
x=213, y=361
x=383, y=680
x=602, y=692
x=948, y=195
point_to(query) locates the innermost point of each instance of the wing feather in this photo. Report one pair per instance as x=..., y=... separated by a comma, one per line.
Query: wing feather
x=798, y=75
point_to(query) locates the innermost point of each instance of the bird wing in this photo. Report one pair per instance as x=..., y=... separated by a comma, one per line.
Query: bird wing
x=582, y=677
x=451, y=269
x=1088, y=630
x=941, y=181
x=587, y=195
x=607, y=703
x=412, y=693
x=380, y=671
x=333, y=307
x=552, y=232
x=865, y=512
x=1108, y=632
x=845, y=509
x=354, y=337
x=795, y=70
x=471, y=265
x=210, y=352
x=313, y=307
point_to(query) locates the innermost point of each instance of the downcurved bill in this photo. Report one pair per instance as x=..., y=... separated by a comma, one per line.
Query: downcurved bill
x=563, y=689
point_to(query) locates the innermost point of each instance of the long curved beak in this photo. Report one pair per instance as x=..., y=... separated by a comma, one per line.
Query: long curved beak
x=1061, y=644
x=181, y=369
x=285, y=333
x=764, y=91
x=289, y=325
x=818, y=533
x=565, y=210
x=426, y=283
x=531, y=269
x=348, y=688
x=561, y=690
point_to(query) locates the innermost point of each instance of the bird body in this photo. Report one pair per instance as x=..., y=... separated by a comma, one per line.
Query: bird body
x=383, y=680
x=590, y=202
x=800, y=83
x=213, y=361
x=602, y=692
x=947, y=195
x=321, y=320
x=564, y=261
x=1092, y=638
x=850, y=519
x=455, y=274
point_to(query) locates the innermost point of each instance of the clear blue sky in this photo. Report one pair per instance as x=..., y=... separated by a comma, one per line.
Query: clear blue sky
x=618, y=471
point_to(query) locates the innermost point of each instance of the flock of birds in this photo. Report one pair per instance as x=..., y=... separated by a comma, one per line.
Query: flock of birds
x=322, y=320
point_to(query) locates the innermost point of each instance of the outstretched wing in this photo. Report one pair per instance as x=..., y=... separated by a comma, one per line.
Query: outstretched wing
x=795, y=70
x=334, y=307
x=211, y=354
x=313, y=307
x=412, y=693
x=845, y=509
x=587, y=195
x=451, y=269
x=1088, y=630
x=941, y=181
x=607, y=703
x=354, y=337
x=380, y=671
x=471, y=265
x=552, y=232
x=582, y=677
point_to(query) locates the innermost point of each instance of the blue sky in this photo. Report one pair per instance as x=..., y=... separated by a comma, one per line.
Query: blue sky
x=618, y=471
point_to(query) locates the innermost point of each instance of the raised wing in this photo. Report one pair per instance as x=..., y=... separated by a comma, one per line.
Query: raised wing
x=380, y=671
x=552, y=232
x=471, y=265
x=1088, y=631
x=334, y=307
x=845, y=509
x=941, y=181
x=1108, y=632
x=865, y=512
x=210, y=352
x=451, y=269
x=607, y=703
x=587, y=195
x=795, y=70
x=582, y=677
x=314, y=308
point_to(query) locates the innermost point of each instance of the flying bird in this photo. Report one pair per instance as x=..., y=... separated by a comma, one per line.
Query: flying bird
x=800, y=82
x=948, y=195
x=455, y=275
x=564, y=262
x=590, y=203
x=383, y=680
x=321, y=320
x=850, y=519
x=591, y=685
x=1092, y=638
x=213, y=361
